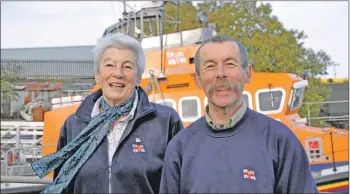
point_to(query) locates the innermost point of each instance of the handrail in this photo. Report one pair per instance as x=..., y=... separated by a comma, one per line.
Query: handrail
x=35, y=152
x=329, y=175
x=25, y=179
x=327, y=102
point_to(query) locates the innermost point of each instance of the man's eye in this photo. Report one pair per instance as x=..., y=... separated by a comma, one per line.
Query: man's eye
x=109, y=65
x=231, y=65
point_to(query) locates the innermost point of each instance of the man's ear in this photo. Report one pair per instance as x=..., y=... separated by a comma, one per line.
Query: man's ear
x=198, y=81
x=248, y=74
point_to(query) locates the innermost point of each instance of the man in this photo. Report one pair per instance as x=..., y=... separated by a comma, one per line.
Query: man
x=233, y=149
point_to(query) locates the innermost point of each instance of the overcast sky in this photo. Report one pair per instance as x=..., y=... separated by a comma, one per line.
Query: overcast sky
x=43, y=24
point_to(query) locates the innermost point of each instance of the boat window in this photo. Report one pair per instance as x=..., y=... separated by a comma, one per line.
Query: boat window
x=297, y=98
x=297, y=94
x=270, y=101
x=191, y=60
x=189, y=108
x=168, y=102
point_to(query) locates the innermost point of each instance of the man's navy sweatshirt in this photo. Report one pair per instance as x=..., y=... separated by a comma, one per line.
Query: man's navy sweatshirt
x=257, y=155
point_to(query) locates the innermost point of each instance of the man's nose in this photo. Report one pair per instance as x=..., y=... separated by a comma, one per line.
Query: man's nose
x=221, y=71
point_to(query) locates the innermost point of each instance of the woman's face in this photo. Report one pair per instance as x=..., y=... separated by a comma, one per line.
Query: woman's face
x=117, y=75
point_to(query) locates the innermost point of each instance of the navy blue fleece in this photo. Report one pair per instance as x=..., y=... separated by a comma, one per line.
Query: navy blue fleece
x=201, y=160
x=131, y=172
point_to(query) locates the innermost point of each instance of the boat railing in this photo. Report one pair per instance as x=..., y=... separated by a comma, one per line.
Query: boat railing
x=335, y=111
x=16, y=163
x=329, y=175
x=17, y=133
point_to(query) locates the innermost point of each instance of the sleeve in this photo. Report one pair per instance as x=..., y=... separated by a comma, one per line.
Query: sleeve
x=62, y=141
x=175, y=128
x=293, y=170
x=170, y=178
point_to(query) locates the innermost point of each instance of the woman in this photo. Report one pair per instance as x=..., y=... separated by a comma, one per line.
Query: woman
x=115, y=141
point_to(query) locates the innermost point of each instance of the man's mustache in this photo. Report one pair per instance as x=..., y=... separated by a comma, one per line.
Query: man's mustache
x=228, y=85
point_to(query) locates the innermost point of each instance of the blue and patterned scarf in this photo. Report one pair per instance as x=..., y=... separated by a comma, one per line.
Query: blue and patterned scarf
x=76, y=153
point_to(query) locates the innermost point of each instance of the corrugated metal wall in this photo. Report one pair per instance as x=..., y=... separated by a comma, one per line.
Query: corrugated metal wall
x=28, y=69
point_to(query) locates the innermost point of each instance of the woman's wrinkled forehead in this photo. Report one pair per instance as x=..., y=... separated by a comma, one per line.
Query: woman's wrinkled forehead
x=117, y=55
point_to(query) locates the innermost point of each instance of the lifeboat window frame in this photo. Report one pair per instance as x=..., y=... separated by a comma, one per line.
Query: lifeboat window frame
x=199, y=109
x=250, y=99
x=277, y=89
x=292, y=94
x=297, y=85
x=205, y=101
x=159, y=101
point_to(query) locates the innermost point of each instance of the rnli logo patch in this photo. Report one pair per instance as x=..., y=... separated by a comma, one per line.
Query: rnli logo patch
x=137, y=148
x=249, y=174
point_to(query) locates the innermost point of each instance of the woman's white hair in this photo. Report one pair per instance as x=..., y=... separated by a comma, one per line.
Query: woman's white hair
x=120, y=41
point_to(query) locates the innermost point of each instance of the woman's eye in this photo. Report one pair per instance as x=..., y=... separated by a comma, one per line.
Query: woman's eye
x=127, y=67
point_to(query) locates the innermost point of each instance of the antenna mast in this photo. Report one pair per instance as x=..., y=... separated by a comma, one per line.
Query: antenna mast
x=178, y=16
x=150, y=13
x=161, y=35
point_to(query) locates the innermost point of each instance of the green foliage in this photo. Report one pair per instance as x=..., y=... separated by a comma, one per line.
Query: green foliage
x=316, y=63
x=187, y=17
x=187, y=10
x=316, y=92
x=8, y=76
x=271, y=47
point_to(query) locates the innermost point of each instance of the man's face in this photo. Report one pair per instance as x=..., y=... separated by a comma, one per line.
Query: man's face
x=221, y=74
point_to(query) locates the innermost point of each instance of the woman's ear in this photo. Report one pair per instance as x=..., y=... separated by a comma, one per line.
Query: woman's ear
x=138, y=82
x=97, y=77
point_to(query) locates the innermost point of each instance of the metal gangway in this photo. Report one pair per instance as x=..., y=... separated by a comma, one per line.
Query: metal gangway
x=21, y=134
x=21, y=144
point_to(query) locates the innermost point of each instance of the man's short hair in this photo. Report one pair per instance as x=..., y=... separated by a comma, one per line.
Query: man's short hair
x=219, y=39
